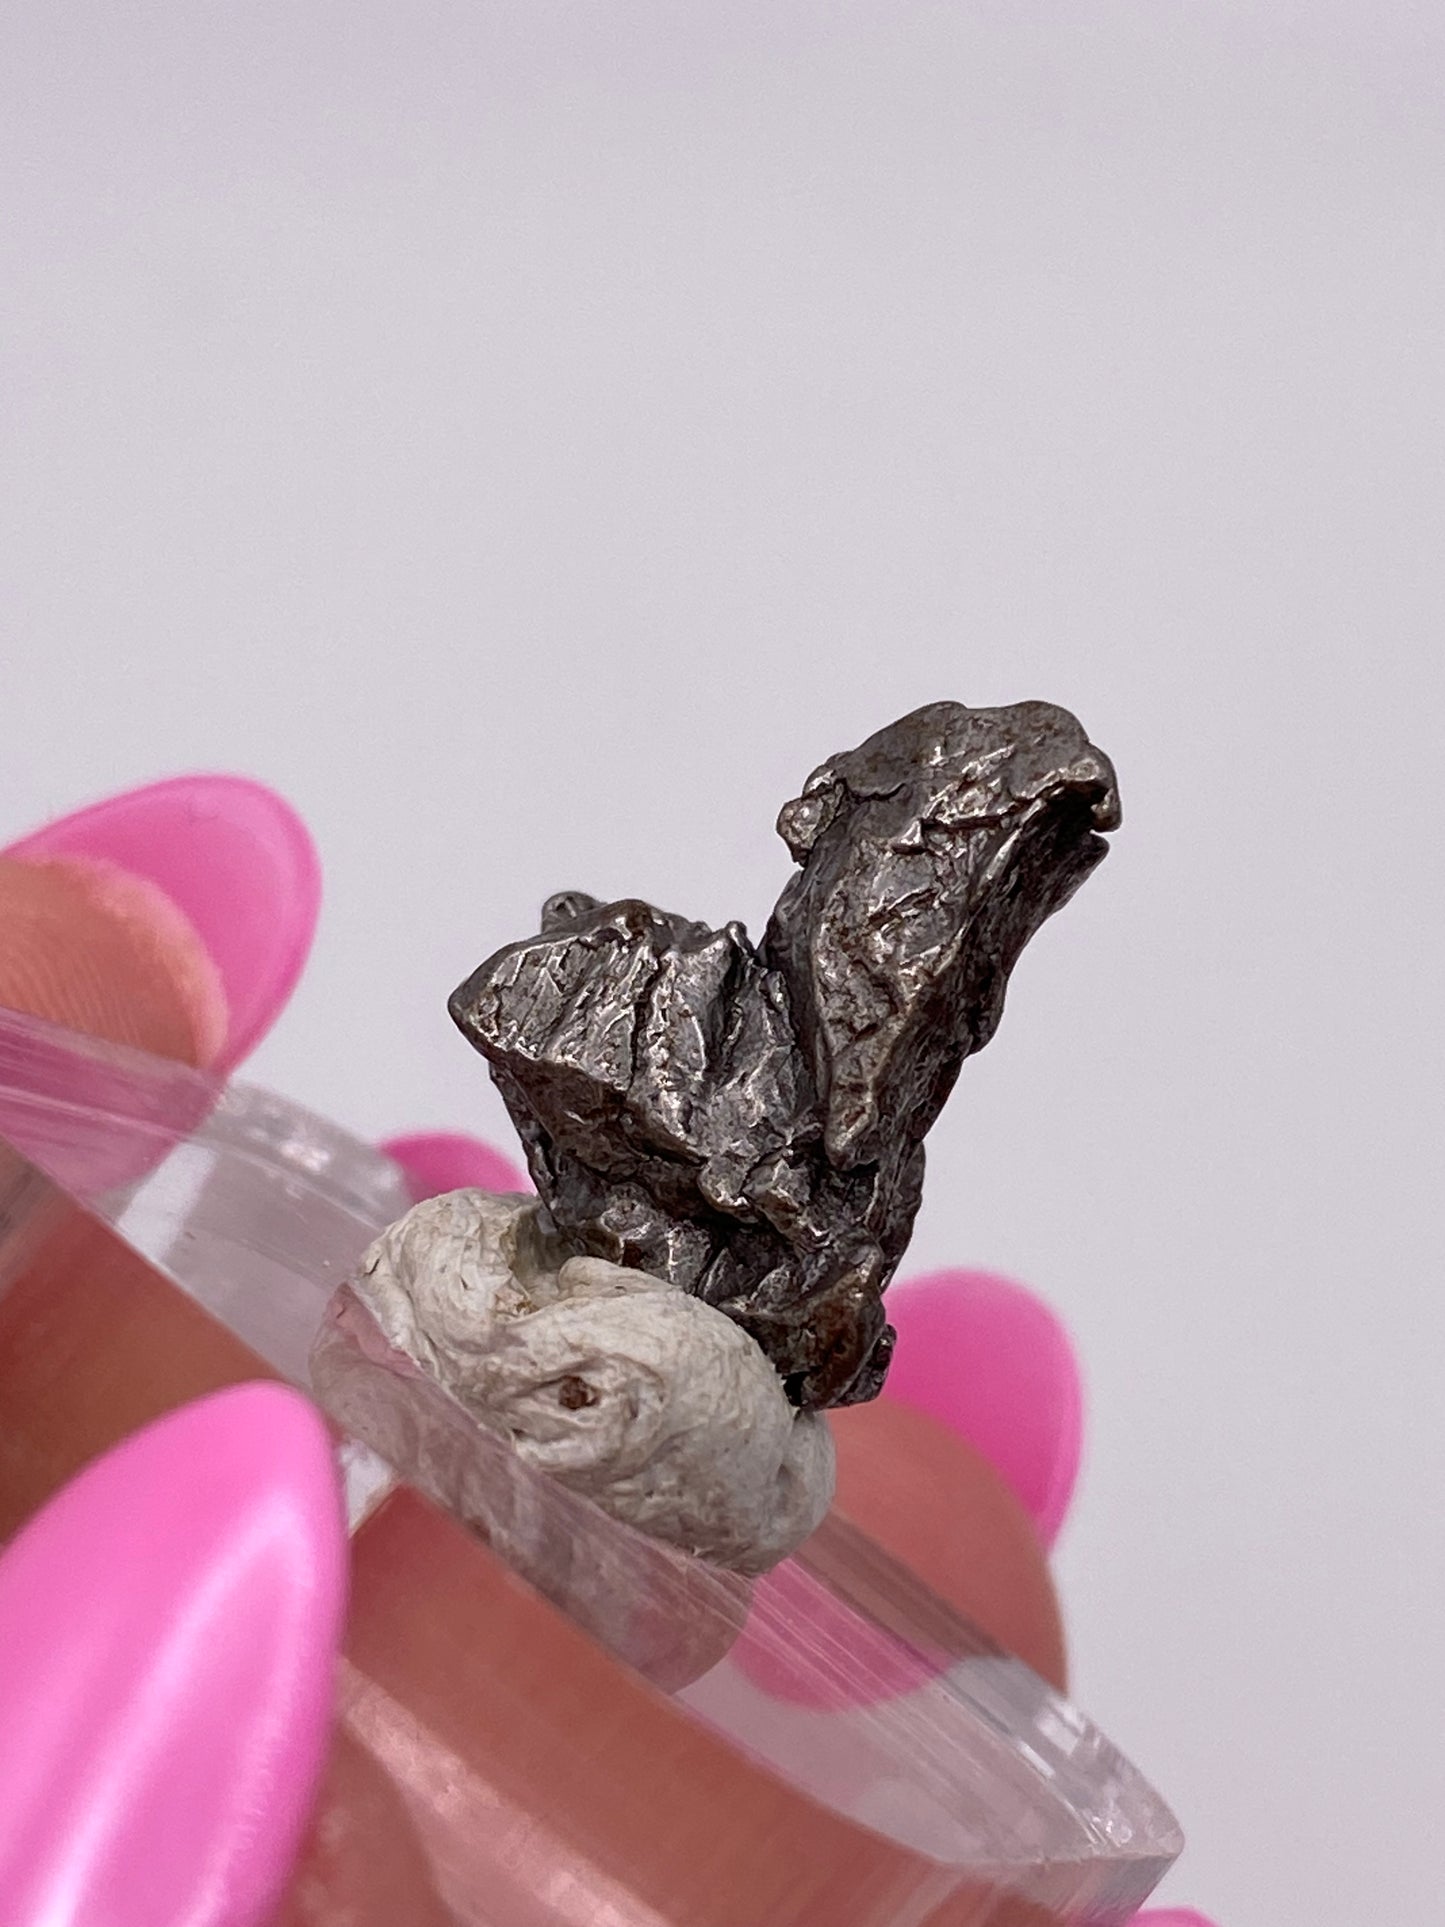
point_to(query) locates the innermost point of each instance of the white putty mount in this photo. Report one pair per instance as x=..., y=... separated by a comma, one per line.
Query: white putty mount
x=643, y=1399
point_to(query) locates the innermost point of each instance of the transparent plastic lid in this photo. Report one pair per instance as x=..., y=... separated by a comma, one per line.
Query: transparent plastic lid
x=838, y=1672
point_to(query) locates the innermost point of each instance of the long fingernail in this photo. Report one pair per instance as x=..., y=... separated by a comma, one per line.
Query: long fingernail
x=437, y=1161
x=168, y=1632
x=221, y=857
x=1170, y=1917
x=991, y=1361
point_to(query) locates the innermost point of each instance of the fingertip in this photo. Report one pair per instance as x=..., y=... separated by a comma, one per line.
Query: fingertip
x=221, y=857
x=101, y=955
x=995, y=1364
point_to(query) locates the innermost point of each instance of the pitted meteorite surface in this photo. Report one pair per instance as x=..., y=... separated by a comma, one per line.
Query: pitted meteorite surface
x=747, y=1121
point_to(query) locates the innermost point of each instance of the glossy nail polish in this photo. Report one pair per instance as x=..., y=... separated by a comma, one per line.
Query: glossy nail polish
x=168, y=1631
x=437, y=1161
x=993, y=1363
x=228, y=858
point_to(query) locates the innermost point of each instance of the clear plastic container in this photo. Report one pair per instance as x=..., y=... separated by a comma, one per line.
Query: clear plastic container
x=879, y=1762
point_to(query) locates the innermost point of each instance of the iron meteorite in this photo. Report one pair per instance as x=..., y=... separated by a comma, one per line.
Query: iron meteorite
x=747, y=1121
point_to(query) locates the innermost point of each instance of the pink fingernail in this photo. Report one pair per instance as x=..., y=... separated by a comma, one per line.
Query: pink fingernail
x=990, y=1360
x=222, y=859
x=437, y=1161
x=168, y=1634
x=1170, y=1917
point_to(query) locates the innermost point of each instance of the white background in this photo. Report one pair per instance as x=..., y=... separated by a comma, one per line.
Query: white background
x=533, y=435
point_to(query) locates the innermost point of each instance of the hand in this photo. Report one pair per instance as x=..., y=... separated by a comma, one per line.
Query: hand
x=178, y=918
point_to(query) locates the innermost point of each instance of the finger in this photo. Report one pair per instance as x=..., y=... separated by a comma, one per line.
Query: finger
x=560, y=1768
x=941, y=1509
x=995, y=1365
x=104, y=955
x=176, y=917
x=164, y=1730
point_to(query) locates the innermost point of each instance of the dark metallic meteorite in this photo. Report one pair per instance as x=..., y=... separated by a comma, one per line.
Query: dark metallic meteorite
x=748, y=1121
